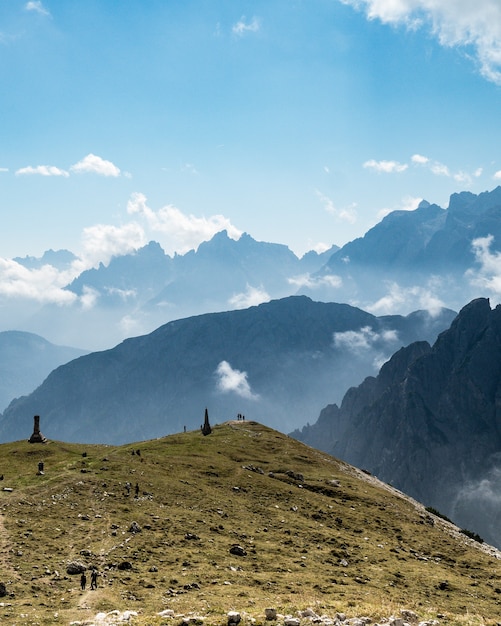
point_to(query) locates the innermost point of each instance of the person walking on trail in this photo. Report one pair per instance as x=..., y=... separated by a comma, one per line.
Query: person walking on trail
x=83, y=581
x=93, y=579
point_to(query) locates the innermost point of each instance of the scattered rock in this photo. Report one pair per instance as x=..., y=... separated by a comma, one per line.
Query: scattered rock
x=295, y=475
x=75, y=567
x=270, y=614
x=237, y=550
x=124, y=565
x=234, y=618
x=135, y=528
x=3, y=590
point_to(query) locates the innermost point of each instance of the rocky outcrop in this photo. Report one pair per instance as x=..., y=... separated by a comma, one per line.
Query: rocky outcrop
x=430, y=422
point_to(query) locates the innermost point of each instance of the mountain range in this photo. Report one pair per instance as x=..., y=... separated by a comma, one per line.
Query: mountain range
x=280, y=362
x=135, y=293
x=430, y=252
x=429, y=423
x=427, y=258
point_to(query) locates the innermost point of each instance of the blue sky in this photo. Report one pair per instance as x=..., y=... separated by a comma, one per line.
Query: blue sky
x=300, y=122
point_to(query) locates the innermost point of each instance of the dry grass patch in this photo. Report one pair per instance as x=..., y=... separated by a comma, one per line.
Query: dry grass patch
x=315, y=532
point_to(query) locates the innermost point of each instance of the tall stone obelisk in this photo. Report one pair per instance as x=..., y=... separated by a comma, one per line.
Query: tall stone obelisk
x=37, y=436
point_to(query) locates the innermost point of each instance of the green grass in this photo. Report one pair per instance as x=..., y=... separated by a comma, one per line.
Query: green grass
x=350, y=546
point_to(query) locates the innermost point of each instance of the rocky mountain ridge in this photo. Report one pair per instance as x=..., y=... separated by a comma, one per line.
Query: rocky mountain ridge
x=429, y=423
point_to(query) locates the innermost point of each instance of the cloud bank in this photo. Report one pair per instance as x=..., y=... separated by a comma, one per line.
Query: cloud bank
x=474, y=26
x=181, y=232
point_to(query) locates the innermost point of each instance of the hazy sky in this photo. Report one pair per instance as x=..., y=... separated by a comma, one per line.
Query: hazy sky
x=298, y=121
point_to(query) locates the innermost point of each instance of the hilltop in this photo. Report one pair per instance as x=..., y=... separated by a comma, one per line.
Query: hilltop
x=310, y=531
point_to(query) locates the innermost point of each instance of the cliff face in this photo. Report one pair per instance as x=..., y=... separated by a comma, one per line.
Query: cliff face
x=430, y=422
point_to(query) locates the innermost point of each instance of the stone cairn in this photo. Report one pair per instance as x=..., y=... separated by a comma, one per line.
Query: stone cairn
x=37, y=436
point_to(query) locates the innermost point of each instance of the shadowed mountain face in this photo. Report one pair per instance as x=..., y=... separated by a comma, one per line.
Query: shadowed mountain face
x=279, y=362
x=26, y=360
x=430, y=422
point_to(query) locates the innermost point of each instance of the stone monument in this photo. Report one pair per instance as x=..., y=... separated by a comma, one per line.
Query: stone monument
x=206, y=429
x=37, y=436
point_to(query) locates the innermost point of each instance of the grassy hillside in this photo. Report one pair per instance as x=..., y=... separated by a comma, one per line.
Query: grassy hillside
x=333, y=539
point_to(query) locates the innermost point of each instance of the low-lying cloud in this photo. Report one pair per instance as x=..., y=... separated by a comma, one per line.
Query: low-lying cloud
x=231, y=380
x=252, y=296
x=487, y=274
x=411, y=298
x=316, y=282
x=364, y=339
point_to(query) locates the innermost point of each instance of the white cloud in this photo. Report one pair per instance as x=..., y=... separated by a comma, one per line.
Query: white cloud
x=89, y=298
x=42, y=170
x=37, y=6
x=345, y=214
x=95, y=165
x=181, y=232
x=44, y=285
x=497, y=175
x=439, y=169
x=363, y=339
x=408, y=203
x=406, y=299
x=103, y=241
x=386, y=167
x=488, y=275
x=232, y=380
x=455, y=23
x=251, y=297
x=244, y=26
x=306, y=280
x=419, y=159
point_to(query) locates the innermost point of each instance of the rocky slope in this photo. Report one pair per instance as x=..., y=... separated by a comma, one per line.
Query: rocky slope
x=242, y=520
x=430, y=422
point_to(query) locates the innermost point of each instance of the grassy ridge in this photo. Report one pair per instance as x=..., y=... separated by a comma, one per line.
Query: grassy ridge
x=333, y=539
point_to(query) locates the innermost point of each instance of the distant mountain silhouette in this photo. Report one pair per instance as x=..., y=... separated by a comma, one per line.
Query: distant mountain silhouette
x=279, y=362
x=135, y=293
x=412, y=248
x=410, y=260
x=430, y=422
x=26, y=360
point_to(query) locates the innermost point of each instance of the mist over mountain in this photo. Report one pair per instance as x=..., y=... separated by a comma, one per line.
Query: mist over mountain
x=429, y=423
x=429, y=254
x=423, y=259
x=135, y=293
x=279, y=362
x=26, y=360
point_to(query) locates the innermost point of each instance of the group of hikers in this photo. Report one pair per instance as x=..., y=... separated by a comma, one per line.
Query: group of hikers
x=93, y=580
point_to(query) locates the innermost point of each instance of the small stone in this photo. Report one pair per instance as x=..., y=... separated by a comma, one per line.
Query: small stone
x=270, y=614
